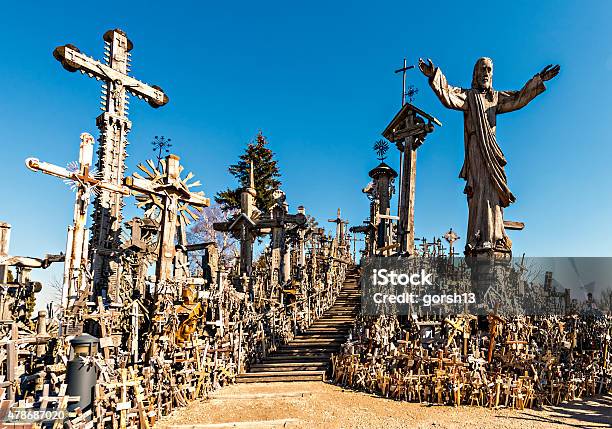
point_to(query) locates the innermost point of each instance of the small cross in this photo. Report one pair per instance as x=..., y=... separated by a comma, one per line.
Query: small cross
x=403, y=70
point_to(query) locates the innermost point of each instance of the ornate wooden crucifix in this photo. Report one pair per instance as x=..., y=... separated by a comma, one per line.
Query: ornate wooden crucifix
x=244, y=226
x=279, y=220
x=168, y=195
x=76, y=267
x=340, y=223
x=114, y=126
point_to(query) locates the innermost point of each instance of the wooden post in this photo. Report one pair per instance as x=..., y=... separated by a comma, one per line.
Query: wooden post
x=41, y=332
x=12, y=360
x=5, y=240
x=239, y=347
x=408, y=186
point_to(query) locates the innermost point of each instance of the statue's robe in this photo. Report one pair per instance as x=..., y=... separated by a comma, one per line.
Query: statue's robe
x=483, y=168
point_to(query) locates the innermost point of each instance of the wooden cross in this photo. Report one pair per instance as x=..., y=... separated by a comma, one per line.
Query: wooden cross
x=174, y=195
x=408, y=130
x=354, y=239
x=451, y=236
x=103, y=318
x=114, y=126
x=75, y=265
x=339, y=227
x=278, y=220
x=244, y=226
x=495, y=324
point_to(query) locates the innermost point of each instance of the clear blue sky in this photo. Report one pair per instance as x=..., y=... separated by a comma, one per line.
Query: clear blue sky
x=317, y=79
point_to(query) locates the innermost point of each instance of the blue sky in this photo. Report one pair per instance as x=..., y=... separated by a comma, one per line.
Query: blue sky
x=318, y=80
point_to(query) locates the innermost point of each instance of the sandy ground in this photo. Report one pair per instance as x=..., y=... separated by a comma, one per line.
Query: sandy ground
x=321, y=405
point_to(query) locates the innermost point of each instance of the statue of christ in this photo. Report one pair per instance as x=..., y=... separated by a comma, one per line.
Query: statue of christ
x=483, y=168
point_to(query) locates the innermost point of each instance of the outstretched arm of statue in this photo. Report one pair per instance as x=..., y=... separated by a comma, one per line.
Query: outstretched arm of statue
x=509, y=101
x=549, y=72
x=450, y=96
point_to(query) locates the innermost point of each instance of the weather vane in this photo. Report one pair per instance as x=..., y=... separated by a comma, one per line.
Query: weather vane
x=411, y=92
x=161, y=145
x=381, y=147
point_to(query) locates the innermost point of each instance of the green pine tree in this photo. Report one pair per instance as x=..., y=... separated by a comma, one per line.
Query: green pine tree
x=266, y=173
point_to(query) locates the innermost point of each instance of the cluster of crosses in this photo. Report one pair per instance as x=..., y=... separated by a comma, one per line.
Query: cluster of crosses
x=93, y=266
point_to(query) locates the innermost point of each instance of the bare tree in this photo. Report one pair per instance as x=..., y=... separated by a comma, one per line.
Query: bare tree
x=605, y=301
x=202, y=231
x=56, y=285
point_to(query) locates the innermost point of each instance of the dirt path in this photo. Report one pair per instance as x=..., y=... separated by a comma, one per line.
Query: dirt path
x=321, y=405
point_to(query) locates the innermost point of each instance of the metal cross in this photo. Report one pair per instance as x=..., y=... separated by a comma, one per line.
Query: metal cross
x=403, y=70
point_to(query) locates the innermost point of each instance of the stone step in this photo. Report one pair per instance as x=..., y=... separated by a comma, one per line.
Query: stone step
x=319, y=337
x=340, y=322
x=277, y=376
x=308, y=349
x=324, y=342
x=307, y=356
x=318, y=357
x=335, y=334
x=289, y=366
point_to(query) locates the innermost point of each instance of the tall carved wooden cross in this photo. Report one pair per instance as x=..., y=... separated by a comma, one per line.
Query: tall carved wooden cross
x=408, y=131
x=340, y=223
x=279, y=221
x=76, y=266
x=114, y=126
x=172, y=196
x=245, y=227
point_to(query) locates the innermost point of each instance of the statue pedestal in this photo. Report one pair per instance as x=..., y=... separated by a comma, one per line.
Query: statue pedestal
x=489, y=271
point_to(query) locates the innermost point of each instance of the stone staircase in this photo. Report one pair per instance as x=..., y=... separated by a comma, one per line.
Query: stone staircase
x=307, y=356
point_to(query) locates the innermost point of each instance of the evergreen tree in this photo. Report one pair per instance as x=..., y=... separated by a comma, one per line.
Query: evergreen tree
x=265, y=171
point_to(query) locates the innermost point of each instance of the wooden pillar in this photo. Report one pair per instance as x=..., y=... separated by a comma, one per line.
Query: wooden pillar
x=41, y=332
x=407, y=184
x=75, y=262
x=5, y=241
x=167, y=248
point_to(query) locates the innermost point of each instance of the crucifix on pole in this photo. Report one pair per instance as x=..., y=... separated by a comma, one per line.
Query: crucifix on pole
x=114, y=126
x=340, y=223
x=75, y=266
x=167, y=198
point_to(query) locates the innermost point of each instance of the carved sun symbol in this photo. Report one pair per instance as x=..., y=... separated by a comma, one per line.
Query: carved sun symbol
x=153, y=204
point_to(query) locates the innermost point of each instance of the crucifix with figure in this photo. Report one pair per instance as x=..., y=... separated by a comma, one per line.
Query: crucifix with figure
x=244, y=226
x=76, y=270
x=340, y=224
x=483, y=169
x=114, y=126
x=166, y=198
